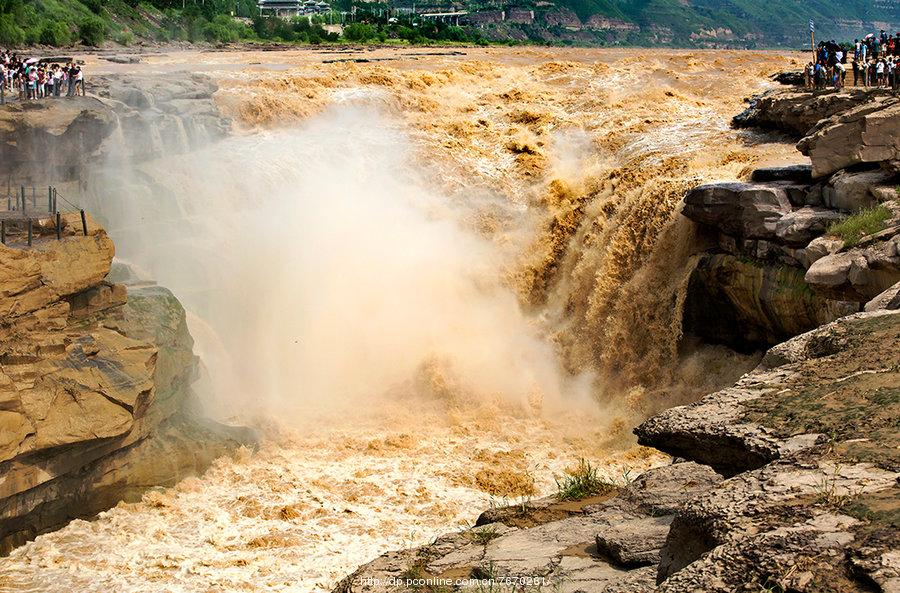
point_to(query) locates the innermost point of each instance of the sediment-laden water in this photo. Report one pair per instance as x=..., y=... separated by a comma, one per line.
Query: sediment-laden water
x=432, y=283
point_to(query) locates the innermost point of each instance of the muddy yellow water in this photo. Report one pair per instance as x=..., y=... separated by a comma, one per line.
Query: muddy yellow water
x=563, y=170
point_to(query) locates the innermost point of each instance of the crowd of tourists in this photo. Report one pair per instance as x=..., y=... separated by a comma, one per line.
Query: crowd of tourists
x=874, y=61
x=30, y=78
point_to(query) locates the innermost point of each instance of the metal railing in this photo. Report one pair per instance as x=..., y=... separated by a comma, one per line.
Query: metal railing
x=23, y=206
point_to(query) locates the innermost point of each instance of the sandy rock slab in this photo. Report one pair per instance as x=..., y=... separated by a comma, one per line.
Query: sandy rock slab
x=819, y=513
x=609, y=543
x=869, y=133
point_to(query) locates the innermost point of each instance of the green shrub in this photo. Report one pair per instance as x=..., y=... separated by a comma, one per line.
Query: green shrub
x=125, y=37
x=92, y=31
x=225, y=29
x=359, y=32
x=55, y=33
x=865, y=222
x=484, y=535
x=195, y=29
x=453, y=34
x=582, y=483
x=95, y=6
x=219, y=34
x=10, y=32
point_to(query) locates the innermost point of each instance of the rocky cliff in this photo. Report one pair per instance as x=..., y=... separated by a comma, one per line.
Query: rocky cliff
x=787, y=481
x=123, y=117
x=95, y=377
x=94, y=385
x=795, y=247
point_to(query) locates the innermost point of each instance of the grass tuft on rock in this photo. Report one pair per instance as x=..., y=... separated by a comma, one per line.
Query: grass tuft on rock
x=484, y=535
x=865, y=222
x=583, y=482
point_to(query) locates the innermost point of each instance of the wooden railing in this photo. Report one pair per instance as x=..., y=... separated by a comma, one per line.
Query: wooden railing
x=22, y=207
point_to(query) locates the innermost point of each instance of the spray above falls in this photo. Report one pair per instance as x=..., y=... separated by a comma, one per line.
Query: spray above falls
x=320, y=267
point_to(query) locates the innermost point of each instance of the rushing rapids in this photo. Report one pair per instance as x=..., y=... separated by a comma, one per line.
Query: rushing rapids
x=432, y=283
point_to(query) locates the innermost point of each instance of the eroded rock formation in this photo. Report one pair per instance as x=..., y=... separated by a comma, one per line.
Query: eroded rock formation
x=135, y=117
x=94, y=380
x=812, y=438
x=772, y=270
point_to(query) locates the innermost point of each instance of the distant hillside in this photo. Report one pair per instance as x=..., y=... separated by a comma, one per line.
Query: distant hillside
x=744, y=23
x=778, y=21
x=685, y=23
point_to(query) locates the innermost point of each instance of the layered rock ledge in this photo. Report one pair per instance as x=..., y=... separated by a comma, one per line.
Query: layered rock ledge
x=774, y=265
x=123, y=119
x=95, y=376
x=95, y=386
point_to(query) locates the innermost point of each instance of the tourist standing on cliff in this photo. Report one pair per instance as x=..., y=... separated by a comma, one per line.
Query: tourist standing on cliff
x=840, y=75
x=79, y=81
x=70, y=74
x=879, y=73
x=34, y=79
x=57, y=79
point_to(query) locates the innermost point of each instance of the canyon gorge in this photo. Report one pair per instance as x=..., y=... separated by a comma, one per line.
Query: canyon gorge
x=332, y=308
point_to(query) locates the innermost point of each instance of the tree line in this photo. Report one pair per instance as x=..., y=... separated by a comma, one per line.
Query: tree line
x=61, y=23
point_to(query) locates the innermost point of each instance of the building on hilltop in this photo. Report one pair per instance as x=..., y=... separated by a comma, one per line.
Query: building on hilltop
x=282, y=8
x=292, y=8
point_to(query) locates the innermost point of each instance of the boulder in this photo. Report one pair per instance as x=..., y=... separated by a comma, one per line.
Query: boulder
x=819, y=248
x=887, y=300
x=857, y=275
x=853, y=191
x=802, y=226
x=742, y=210
x=869, y=133
x=797, y=112
x=792, y=78
x=663, y=490
x=885, y=193
x=794, y=173
x=631, y=540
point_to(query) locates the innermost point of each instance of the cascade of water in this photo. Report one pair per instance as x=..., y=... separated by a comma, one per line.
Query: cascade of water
x=320, y=266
